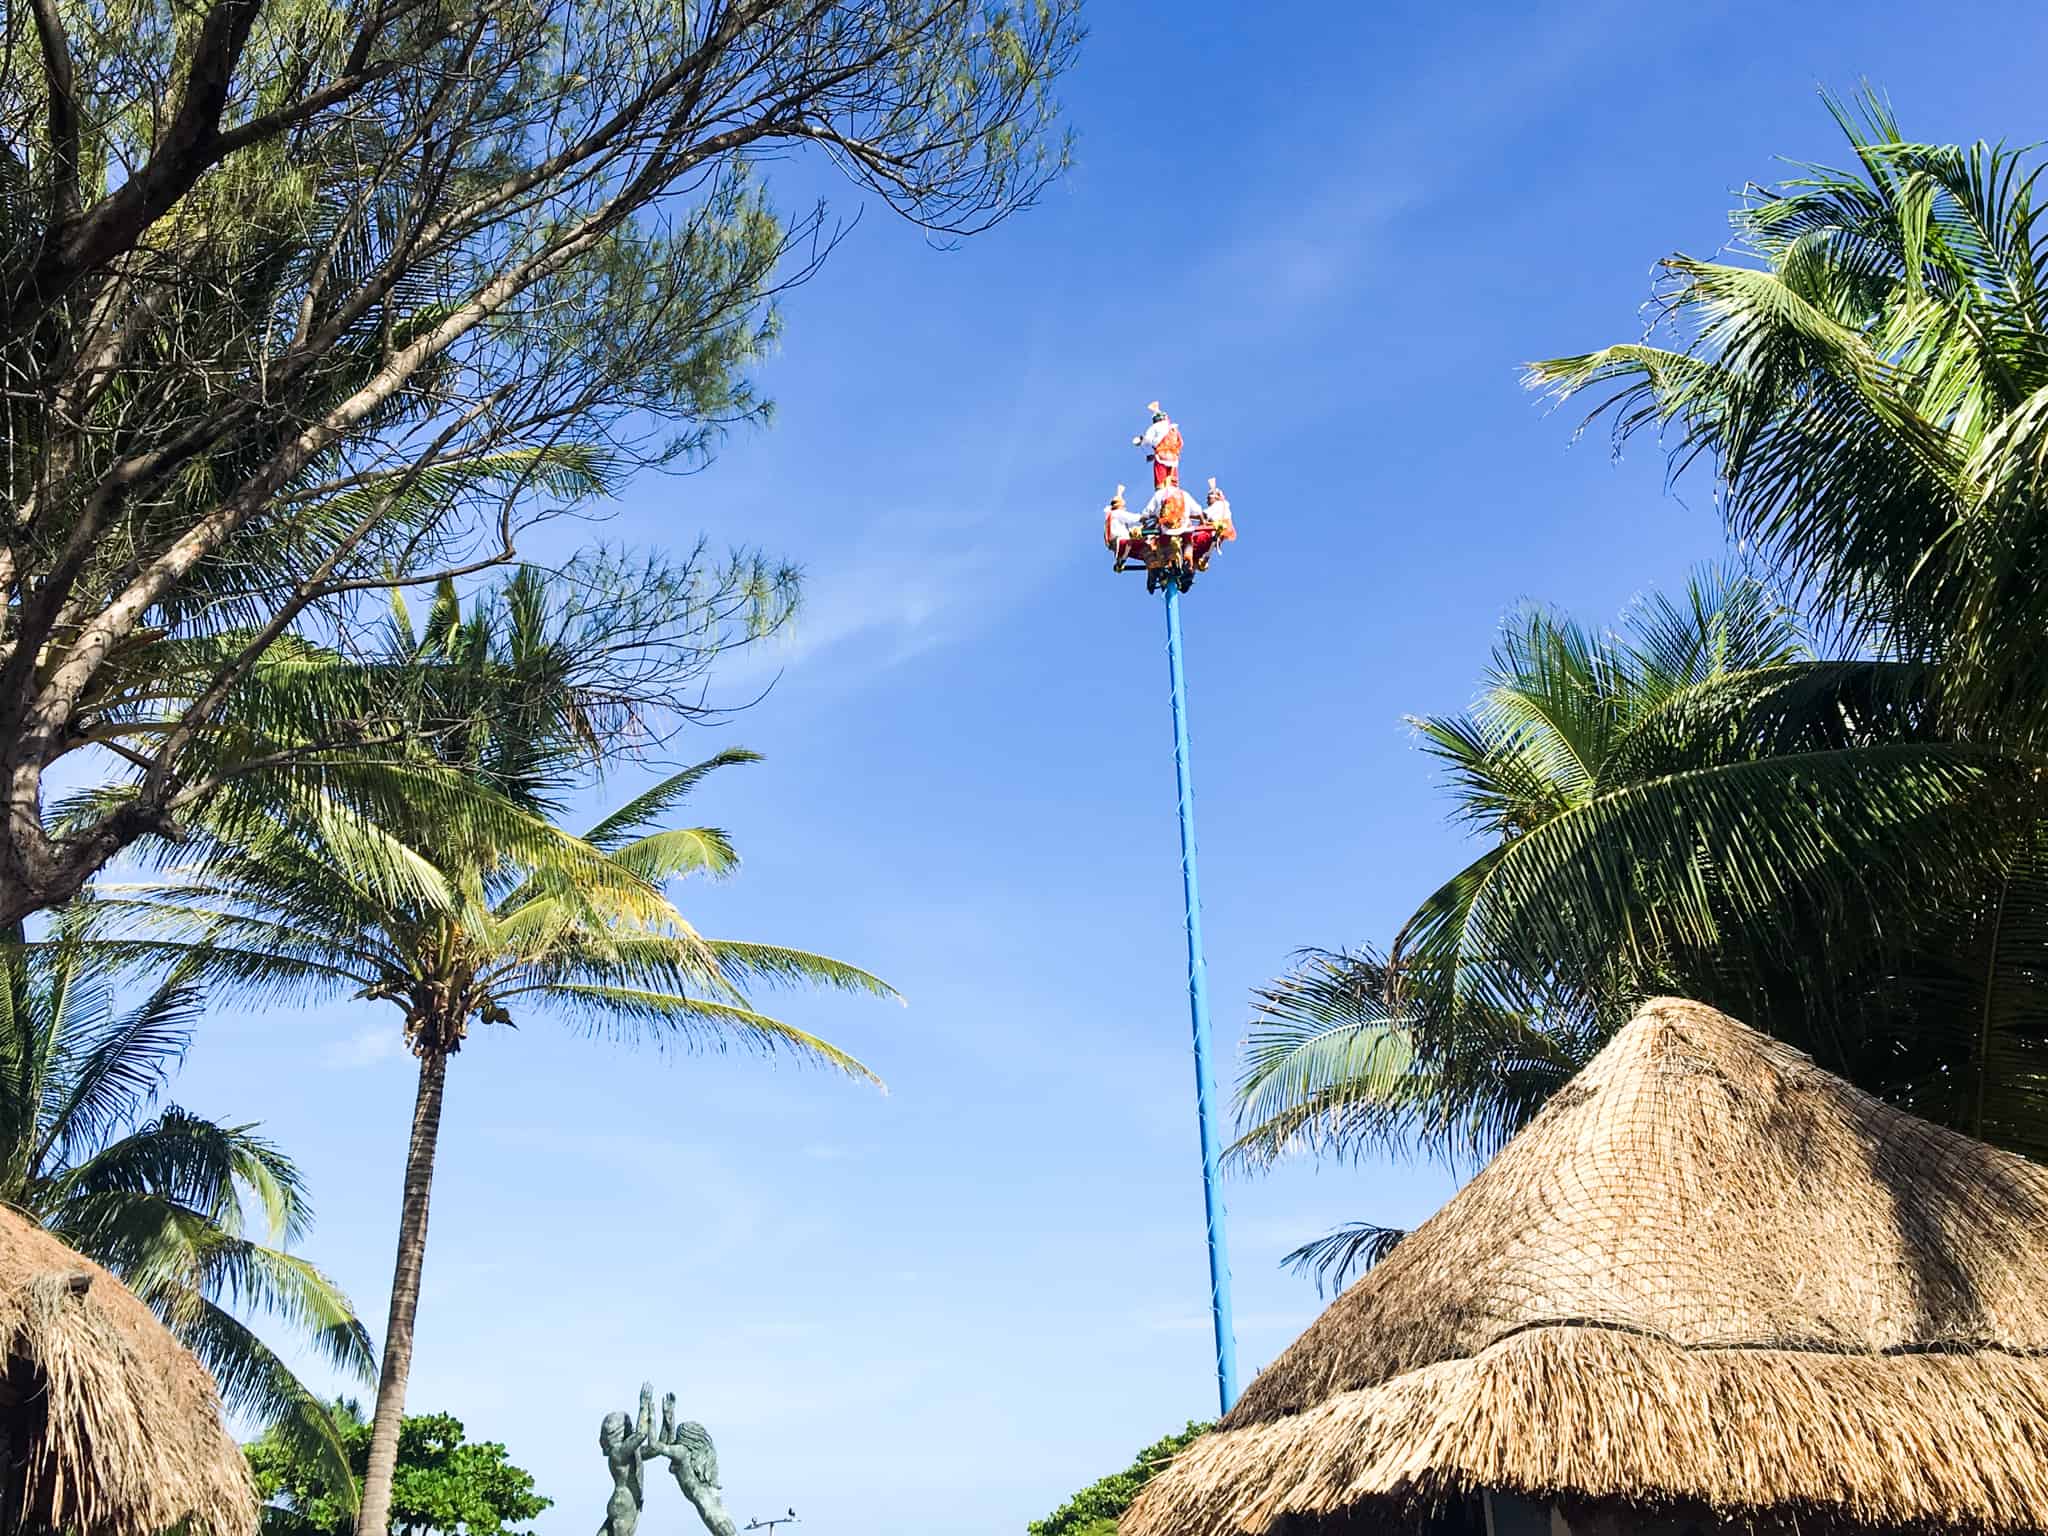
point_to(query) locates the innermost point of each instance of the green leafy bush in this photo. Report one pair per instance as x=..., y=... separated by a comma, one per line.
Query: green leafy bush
x=446, y=1485
x=1094, y=1510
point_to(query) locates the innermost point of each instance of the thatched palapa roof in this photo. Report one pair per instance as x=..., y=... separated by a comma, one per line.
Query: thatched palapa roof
x=1708, y=1275
x=118, y=1428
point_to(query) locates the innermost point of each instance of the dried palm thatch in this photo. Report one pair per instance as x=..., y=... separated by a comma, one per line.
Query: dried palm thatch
x=1708, y=1275
x=108, y=1426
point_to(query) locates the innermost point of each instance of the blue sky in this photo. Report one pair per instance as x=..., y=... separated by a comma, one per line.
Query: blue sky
x=1326, y=236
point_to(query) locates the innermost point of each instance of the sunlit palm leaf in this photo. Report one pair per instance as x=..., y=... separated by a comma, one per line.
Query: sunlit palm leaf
x=700, y=1025
x=652, y=805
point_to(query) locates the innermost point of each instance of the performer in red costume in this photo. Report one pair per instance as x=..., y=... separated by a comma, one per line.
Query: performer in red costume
x=1218, y=513
x=1173, y=512
x=1213, y=525
x=1119, y=529
x=1162, y=444
x=1172, y=508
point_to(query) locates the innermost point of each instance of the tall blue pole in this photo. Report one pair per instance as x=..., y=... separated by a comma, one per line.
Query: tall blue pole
x=1198, y=1012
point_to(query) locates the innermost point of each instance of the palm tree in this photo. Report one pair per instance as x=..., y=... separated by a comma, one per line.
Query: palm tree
x=194, y=1216
x=574, y=928
x=1868, y=382
x=1698, y=804
x=1853, y=850
x=468, y=909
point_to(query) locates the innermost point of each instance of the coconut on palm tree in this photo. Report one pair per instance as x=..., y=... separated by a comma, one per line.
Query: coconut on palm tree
x=464, y=910
x=195, y=1216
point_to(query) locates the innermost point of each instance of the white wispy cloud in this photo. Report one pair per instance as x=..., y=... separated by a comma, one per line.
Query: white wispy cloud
x=1401, y=161
x=364, y=1046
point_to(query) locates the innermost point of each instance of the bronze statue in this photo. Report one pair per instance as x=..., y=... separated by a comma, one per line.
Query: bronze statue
x=691, y=1457
x=694, y=1461
x=624, y=1450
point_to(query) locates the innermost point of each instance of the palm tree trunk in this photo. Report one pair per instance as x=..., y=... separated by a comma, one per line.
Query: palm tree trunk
x=374, y=1517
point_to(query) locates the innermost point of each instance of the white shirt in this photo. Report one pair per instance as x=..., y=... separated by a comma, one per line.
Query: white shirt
x=1162, y=498
x=1155, y=435
x=1122, y=518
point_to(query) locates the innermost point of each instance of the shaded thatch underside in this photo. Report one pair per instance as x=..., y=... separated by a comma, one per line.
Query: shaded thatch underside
x=1707, y=1272
x=121, y=1426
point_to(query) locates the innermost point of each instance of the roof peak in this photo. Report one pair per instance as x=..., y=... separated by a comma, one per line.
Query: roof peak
x=1701, y=1183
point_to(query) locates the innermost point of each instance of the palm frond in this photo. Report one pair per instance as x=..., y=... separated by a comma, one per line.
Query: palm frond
x=678, y=852
x=696, y=1024
x=644, y=809
x=743, y=963
x=109, y=1070
x=1335, y=1257
x=256, y=1384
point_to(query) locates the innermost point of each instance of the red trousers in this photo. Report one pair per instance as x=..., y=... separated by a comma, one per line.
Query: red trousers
x=1164, y=474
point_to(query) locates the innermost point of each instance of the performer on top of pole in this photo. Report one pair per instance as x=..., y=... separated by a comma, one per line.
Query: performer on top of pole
x=1213, y=526
x=1176, y=536
x=1161, y=442
x=1174, y=513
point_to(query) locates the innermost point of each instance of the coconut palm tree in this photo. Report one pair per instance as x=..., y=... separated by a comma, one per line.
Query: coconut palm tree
x=1696, y=803
x=1700, y=803
x=577, y=929
x=193, y=1215
x=1869, y=381
x=460, y=910
x=1851, y=851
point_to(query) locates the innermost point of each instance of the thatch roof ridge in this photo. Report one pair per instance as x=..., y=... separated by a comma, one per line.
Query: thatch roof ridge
x=127, y=1437
x=1707, y=1272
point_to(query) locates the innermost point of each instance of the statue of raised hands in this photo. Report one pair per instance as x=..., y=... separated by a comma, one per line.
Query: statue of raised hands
x=625, y=1444
x=694, y=1461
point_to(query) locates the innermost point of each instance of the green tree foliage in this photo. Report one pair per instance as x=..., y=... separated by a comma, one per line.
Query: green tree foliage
x=1694, y=803
x=196, y=1217
x=1866, y=380
x=445, y=1485
x=601, y=657
x=460, y=914
x=301, y=300
x=1851, y=847
x=1094, y=1510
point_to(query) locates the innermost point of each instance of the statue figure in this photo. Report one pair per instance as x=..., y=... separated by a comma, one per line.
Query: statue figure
x=691, y=1456
x=694, y=1461
x=624, y=1450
